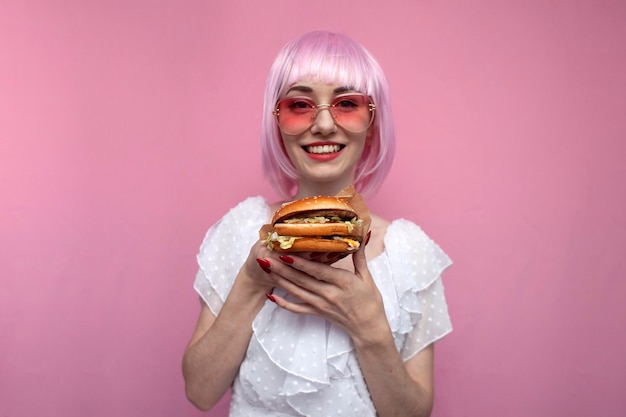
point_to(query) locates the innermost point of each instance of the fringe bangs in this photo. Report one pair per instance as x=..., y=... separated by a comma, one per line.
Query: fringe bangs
x=329, y=62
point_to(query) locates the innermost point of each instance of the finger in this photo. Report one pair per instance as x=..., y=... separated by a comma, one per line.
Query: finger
x=333, y=257
x=298, y=308
x=314, y=256
x=322, y=257
x=318, y=270
x=360, y=262
x=309, y=292
x=291, y=279
x=296, y=281
x=302, y=308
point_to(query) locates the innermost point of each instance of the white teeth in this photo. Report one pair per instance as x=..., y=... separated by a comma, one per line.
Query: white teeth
x=323, y=149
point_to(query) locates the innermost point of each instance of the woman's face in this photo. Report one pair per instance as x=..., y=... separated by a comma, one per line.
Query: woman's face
x=325, y=152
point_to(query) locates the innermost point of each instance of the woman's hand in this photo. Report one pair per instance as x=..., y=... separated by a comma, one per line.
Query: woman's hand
x=348, y=299
x=257, y=272
x=327, y=258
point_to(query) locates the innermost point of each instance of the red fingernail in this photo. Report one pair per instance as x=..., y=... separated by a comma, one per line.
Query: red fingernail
x=267, y=270
x=367, y=238
x=264, y=263
x=271, y=298
x=286, y=259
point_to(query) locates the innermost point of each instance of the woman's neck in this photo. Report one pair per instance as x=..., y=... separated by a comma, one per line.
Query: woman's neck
x=319, y=188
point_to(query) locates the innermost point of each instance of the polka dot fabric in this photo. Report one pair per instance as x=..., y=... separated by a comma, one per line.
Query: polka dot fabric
x=299, y=365
x=225, y=249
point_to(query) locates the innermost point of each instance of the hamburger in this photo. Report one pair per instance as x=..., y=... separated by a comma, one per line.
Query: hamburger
x=318, y=224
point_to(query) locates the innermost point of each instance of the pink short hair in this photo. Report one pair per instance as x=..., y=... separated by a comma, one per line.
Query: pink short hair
x=328, y=58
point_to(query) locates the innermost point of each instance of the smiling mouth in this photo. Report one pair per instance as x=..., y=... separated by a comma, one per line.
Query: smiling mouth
x=323, y=149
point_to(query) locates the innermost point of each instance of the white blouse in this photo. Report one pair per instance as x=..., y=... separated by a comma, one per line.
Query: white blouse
x=302, y=365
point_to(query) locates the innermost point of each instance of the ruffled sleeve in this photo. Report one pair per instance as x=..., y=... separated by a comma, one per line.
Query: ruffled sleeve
x=225, y=248
x=417, y=263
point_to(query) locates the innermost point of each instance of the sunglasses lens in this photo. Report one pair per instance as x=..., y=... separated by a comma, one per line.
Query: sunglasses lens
x=352, y=112
x=297, y=114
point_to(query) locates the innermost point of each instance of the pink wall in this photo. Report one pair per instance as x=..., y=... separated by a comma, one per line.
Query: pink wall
x=118, y=150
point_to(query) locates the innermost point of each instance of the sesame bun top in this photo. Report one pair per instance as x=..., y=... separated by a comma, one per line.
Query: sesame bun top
x=322, y=205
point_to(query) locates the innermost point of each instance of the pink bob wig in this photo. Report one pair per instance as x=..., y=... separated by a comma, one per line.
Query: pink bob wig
x=334, y=59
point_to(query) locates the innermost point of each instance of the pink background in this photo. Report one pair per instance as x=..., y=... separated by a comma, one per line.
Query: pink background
x=128, y=127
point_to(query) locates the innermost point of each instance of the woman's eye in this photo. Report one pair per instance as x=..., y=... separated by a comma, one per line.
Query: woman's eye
x=346, y=104
x=300, y=105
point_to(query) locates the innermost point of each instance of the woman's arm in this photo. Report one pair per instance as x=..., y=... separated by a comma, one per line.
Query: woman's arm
x=397, y=388
x=218, y=345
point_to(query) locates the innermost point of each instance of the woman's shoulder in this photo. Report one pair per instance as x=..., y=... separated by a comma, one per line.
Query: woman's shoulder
x=251, y=203
x=402, y=232
x=249, y=213
x=249, y=209
x=411, y=250
x=387, y=232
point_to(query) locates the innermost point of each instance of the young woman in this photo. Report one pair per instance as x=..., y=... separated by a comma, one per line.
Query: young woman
x=293, y=335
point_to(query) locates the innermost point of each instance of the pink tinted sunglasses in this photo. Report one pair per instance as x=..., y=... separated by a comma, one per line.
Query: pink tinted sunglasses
x=353, y=112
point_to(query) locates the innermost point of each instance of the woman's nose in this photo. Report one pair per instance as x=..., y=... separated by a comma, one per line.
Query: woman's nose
x=323, y=121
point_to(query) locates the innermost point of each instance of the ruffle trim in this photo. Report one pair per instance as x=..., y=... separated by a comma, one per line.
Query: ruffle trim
x=417, y=261
x=225, y=248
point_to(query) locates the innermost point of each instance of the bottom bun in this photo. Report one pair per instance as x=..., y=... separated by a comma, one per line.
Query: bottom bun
x=309, y=244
